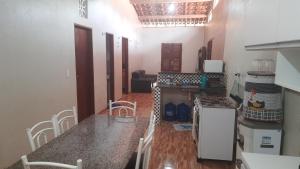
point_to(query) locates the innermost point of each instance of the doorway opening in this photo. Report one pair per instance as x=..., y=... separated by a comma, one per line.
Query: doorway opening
x=110, y=67
x=125, y=65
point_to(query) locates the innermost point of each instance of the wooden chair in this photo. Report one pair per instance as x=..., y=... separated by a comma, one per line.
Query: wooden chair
x=123, y=107
x=39, y=130
x=26, y=164
x=64, y=119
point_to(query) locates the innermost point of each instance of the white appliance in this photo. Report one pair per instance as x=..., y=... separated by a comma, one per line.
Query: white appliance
x=213, y=128
x=213, y=66
x=264, y=161
x=257, y=137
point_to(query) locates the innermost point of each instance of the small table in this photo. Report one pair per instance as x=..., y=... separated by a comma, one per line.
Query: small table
x=100, y=141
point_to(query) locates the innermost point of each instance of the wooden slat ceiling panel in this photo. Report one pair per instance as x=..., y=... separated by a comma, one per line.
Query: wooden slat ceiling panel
x=185, y=11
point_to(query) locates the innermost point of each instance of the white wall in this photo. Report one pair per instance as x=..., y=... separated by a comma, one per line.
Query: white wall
x=151, y=38
x=237, y=59
x=37, y=49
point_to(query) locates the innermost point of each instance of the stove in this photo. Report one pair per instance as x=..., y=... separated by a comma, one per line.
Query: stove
x=210, y=139
x=214, y=101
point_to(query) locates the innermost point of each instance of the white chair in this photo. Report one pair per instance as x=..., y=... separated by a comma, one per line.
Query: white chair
x=144, y=148
x=41, y=129
x=26, y=164
x=123, y=107
x=152, y=120
x=64, y=118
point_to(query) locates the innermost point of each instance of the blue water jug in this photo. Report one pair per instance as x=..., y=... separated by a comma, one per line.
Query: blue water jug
x=183, y=112
x=170, y=112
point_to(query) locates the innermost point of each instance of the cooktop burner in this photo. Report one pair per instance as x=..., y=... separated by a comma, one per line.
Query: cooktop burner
x=215, y=101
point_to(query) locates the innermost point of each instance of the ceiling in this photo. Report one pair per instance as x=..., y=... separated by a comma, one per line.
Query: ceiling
x=157, y=13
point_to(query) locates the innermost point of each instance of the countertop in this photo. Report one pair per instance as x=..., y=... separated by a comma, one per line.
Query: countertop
x=164, y=85
x=100, y=141
x=264, y=161
x=258, y=124
x=214, y=89
x=213, y=102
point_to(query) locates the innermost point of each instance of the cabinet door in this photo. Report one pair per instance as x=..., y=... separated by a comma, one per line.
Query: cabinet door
x=289, y=23
x=288, y=69
x=261, y=22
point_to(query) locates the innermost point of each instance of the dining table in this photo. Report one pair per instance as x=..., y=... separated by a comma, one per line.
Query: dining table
x=101, y=141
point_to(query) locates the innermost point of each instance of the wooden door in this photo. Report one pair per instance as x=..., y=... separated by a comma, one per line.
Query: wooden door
x=125, y=65
x=84, y=72
x=110, y=67
x=171, y=56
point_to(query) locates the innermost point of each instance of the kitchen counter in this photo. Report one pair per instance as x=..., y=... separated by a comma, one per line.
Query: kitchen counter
x=216, y=89
x=181, y=87
x=264, y=161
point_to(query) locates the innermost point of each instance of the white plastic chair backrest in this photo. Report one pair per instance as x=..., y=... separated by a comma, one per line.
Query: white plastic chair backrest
x=26, y=164
x=64, y=119
x=144, y=147
x=123, y=106
x=152, y=120
x=39, y=130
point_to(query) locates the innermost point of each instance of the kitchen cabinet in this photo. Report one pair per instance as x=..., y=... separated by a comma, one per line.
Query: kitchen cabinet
x=289, y=23
x=288, y=69
x=272, y=24
x=261, y=22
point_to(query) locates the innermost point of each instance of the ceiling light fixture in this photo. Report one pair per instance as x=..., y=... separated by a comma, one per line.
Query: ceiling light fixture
x=171, y=8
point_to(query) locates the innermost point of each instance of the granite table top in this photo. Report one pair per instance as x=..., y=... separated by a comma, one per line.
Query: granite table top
x=102, y=142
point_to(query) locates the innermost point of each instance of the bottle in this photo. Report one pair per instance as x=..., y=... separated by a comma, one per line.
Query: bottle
x=203, y=80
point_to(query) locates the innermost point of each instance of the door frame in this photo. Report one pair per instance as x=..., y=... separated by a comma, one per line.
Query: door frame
x=125, y=53
x=112, y=67
x=91, y=65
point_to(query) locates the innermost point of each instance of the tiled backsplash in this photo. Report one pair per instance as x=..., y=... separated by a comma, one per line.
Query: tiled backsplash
x=191, y=78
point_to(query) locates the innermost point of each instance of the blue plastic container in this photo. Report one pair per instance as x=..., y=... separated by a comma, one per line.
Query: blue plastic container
x=170, y=112
x=183, y=112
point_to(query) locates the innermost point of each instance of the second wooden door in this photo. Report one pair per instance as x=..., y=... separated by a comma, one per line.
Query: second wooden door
x=110, y=67
x=125, y=65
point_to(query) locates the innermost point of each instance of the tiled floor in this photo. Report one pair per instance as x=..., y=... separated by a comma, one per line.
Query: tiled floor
x=171, y=149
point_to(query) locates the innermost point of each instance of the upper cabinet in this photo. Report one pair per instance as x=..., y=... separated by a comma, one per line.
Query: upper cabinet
x=289, y=21
x=261, y=22
x=272, y=24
